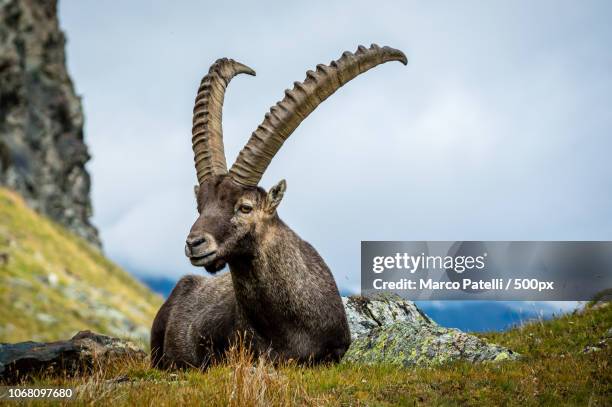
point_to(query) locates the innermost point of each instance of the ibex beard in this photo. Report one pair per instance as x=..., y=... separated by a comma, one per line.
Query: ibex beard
x=279, y=292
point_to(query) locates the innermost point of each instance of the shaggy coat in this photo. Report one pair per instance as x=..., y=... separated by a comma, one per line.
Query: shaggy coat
x=279, y=291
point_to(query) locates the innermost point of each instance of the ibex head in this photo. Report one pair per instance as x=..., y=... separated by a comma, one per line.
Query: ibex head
x=231, y=217
x=234, y=211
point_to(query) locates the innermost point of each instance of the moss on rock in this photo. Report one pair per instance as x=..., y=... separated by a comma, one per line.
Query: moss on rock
x=422, y=344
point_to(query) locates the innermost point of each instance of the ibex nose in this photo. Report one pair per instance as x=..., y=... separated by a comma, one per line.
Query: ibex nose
x=195, y=241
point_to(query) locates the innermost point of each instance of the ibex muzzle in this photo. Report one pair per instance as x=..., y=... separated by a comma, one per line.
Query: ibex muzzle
x=200, y=247
x=279, y=291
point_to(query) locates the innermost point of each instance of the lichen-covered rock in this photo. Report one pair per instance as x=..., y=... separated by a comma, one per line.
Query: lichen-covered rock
x=365, y=313
x=85, y=350
x=393, y=331
x=42, y=151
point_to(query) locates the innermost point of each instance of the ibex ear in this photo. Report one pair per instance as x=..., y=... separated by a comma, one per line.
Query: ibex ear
x=196, y=191
x=275, y=196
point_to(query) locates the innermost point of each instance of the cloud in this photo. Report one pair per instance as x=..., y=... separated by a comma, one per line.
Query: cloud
x=496, y=129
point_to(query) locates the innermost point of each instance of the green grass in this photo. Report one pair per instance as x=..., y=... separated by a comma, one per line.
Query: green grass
x=554, y=370
x=53, y=284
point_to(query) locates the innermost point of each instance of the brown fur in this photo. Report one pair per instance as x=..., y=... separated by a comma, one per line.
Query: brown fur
x=279, y=291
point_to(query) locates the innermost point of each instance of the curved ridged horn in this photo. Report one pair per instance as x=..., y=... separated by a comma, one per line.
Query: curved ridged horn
x=298, y=103
x=207, y=140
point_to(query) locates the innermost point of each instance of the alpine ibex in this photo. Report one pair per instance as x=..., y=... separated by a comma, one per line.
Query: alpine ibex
x=278, y=291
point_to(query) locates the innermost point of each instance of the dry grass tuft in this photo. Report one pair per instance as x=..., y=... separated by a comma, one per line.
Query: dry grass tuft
x=256, y=381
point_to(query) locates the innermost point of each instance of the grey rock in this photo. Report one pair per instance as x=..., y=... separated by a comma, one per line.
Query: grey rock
x=46, y=318
x=51, y=279
x=81, y=353
x=365, y=314
x=42, y=151
x=393, y=331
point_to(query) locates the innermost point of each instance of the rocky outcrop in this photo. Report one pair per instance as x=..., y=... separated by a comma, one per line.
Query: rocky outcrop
x=81, y=353
x=42, y=152
x=365, y=314
x=390, y=330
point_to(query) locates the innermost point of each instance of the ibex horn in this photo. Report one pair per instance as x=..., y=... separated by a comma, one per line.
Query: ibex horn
x=207, y=140
x=298, y=103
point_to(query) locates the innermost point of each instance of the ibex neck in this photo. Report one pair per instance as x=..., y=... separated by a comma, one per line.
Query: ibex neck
x=265, y=283
x=276, y=251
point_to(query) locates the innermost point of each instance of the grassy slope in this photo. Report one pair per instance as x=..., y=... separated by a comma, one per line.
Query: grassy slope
x=554, y=371
x=53, y=284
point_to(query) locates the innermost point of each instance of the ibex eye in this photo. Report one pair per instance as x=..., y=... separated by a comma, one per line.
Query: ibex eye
x=244, y=208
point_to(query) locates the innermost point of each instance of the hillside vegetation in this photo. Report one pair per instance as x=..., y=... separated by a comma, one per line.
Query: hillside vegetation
x=53, y=284
x=566, y=361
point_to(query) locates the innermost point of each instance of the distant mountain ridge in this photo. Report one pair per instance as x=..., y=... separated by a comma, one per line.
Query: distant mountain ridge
x=54, y=284
x=42, y=150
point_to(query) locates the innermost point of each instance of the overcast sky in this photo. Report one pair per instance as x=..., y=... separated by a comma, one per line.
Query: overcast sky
x=499, y=128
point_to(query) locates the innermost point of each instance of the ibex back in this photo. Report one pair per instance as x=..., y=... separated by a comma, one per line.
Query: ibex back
x=279, y=292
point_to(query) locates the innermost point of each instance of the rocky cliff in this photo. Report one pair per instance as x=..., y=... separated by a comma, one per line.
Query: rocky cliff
x=42, y=151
